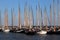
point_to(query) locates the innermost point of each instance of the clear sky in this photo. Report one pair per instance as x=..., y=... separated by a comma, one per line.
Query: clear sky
x=14, y=4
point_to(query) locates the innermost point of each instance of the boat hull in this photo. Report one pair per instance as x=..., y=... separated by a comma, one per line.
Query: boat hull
x=30, y=32
x=52, y=32
x=42, y=32
x=20, y=31
x=6, y=30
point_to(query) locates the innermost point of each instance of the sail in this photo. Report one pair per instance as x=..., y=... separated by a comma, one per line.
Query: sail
x=26, y=20
x=19, y=18
x=6, y=19
x=31, y=17
x=45, y=17
x=38, y=16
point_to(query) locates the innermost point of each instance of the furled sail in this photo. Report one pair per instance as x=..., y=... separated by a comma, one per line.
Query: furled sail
x=19, y=18
x=26, y=19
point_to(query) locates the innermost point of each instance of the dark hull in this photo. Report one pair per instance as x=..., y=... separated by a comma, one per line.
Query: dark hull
x=30, y=33
x=52, y=32
x=15, y=31
x=1, y=30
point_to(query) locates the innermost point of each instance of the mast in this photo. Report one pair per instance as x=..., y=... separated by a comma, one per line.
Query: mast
x=38, y=14
x=41, y=19
x=58, y=12
x=12, y=13
x=37, y=18
x=50, y=16
x=32, y=17
x=19, y=18
x=12, y=17
x=54, y=12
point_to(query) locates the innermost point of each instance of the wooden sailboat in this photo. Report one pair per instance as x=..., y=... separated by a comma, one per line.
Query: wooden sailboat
x=41, y=29
x=26, y=20
x=6, y=29
x=38, y=17
x=19, y=28
x=30, y=31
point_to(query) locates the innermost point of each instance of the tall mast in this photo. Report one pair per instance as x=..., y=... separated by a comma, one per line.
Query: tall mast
x=50, y=16
x=54, y=12
x=32, y=17
x=37, y=21
x=38, y=15
x=41, y=20
x=58, y=12
x=19, y=19
x=12, y=16
x=12, y=13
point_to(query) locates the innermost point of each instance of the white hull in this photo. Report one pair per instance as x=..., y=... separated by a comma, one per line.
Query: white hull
x=19, y=31
x=6, y=30
x=42, y=32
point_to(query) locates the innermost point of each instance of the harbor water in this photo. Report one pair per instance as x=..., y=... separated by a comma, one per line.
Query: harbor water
x=19, y=36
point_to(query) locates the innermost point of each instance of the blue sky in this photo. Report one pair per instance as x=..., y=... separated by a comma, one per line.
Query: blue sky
x=14, y=4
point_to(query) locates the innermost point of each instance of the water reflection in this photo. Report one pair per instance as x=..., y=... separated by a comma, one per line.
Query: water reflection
x=18, y=36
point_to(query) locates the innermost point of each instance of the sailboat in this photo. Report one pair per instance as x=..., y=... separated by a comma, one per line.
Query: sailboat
x=26, y=19
x=41, y=29
x=5, y=28
x=30, y=31
x=19, y=28
x=40, y=15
